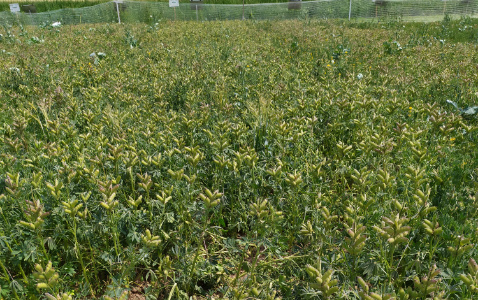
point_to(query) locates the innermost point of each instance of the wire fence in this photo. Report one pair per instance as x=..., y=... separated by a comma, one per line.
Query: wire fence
x=150, y=12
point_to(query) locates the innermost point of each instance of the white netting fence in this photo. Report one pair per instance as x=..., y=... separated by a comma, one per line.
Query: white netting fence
x=135, y=11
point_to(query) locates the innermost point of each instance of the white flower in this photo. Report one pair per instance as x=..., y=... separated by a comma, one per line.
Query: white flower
x=56, y=24
x=359, y=76
x=15, y=69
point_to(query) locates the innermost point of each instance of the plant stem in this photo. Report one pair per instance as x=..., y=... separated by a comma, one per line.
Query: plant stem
x=196, y=256
x=239, y=267
x=40, y=240
x=80, y=258
x=25, y=279
x=115, y=238
x=7, y=276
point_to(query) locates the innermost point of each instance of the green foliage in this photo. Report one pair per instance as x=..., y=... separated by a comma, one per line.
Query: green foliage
x=221, y=159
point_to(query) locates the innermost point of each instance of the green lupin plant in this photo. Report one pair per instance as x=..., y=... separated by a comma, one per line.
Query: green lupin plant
x=365, y=294
x=108, y=190
x=195, y=155
x=135, y=203
x=13, y=184
x=322, y=281
x=150, y=240
x=275, y=171
x=165, y=269
x=294, y=179
x=343, y=150
x=37, y=179
x=386, y=180
x=471, y=278
x=394, y=230
x=425, y=286
x=259, y=209
x=34, y=214
x=146, y=183
x=72, y=208
x=109, y=203
x=63, y=296
x=55, y=188
x=460, y=246
x=164, y=198
x=356, y=240
x=328, y=217
x=421, y=199
x=46, y=277
x=361, y=178
x=210, y=199
x=307, y=230
x=416, y=176
x=123, y=296
x=239, y=294
x=433, y=229
x=176, y=175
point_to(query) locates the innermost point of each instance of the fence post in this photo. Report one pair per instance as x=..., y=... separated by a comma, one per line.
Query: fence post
x=117, y=10
x=350, y=9
x=243, y=9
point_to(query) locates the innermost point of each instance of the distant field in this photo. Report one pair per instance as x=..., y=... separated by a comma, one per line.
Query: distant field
x=433, y=9
x=49, y=5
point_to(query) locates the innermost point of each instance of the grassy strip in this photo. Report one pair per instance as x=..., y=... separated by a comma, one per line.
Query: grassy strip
x=43, y=6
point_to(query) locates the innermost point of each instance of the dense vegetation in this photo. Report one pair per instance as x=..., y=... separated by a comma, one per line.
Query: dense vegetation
x=240, y=160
